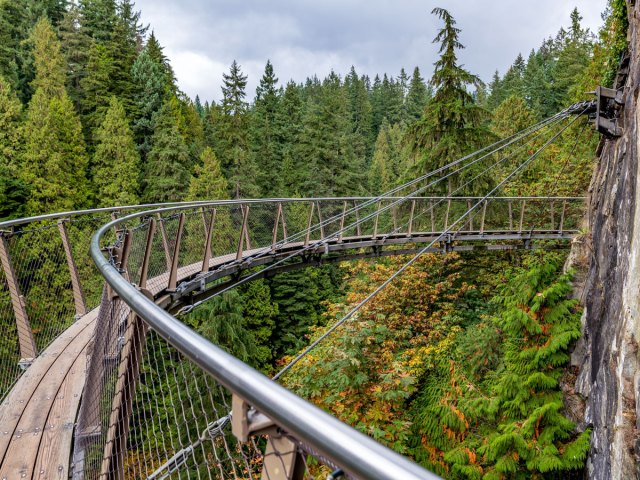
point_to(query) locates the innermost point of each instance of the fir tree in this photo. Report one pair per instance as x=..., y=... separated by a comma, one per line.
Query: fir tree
x=361, y=115
x=116, y=162
x=54, y=161
x=452, y=123
x=207, y=182
x=380, y=170
x=289, y=121
x=96, y=89
x=417, y=97
x=165, y=172
x=264, y=135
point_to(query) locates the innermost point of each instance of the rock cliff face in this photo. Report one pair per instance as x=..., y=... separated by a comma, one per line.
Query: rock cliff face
x=609, y=375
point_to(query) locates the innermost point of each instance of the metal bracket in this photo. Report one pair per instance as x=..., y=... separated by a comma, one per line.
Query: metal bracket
x=607, y=117
x=282, y=460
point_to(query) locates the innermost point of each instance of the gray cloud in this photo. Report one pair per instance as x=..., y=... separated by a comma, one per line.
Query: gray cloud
x=304, y=37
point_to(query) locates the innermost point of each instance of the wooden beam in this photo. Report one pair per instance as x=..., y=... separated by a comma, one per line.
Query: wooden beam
x=206, y=258
x=173, y=270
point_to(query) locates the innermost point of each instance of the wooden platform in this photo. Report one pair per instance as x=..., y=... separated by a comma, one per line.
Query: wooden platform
x=38, y=415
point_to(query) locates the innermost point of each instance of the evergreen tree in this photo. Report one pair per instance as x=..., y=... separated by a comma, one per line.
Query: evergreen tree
x=165, y=172
x=361, y=115
x=511, y=116
x=151, y=85
x=325, y=143
x=96, y=89
x=417, y=97
x=116, y=162
x=380, y=170
x=98, y=19
x=76, y=45
x=207, y=181
x=264, y=133
x=294, y=169
x=13, y=191
x=452, y=124
x=260, y=315
x=236, y=157
x=54, y=161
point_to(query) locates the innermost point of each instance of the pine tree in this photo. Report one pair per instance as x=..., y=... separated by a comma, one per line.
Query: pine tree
x=452, y=124
x=76, y=45
x=116, y=162
x=260, y=315
x=98, y=19
x=233, y=138
x=54, y=161
x=96, y=88
x=380, y=170
x=289, y=121
x=207, y=181
x=151, y=86
x=263, y=139
x=361, y=115
x=13, y=191
x=165, y=172
x=417, y=97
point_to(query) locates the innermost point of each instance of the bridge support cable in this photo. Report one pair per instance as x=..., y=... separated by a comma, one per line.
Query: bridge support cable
x=501, y=144
x=402, y=269
x=310, y=247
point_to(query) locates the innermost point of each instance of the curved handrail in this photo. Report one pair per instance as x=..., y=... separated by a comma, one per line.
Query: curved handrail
x=352, y=450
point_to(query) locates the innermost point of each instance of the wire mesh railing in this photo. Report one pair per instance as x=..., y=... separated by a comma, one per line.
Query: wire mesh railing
x=154, y=408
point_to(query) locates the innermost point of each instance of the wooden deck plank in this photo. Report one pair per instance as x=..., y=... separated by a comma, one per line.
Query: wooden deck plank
x=55, y=445
x=22, y=451
x=36, y=385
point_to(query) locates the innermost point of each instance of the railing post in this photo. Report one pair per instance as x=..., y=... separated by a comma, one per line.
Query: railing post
x=564, y=207
x=309, y=221
x=28, y=349
x=524, y=203
x=144, y=270
x=510, y=215
x=446, y=217
x=320, y=221
x=553, y=218
x=484, y=214
x=78, y=295
x=244, y=234
x=173, y=271
x=433, y=217
x=413, y=209
x=207, y=242
x=279, y=217
x=375, y=222
x=358, y=229
x=344, y=212
x=470, y=216
x=165, y=242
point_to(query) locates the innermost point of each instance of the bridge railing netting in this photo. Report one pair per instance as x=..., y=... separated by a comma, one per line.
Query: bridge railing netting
x=147, y=407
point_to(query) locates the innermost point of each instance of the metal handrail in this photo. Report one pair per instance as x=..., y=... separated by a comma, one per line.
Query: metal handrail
x=73, y=213
x=357, y=453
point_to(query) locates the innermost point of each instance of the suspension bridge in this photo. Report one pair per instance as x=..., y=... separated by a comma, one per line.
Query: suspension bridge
x=102, y=377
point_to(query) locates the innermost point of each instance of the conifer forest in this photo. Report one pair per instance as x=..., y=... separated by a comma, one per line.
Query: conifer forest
x=460, y=363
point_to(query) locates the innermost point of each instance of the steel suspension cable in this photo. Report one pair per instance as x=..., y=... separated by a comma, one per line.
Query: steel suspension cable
x=369, y=297
x=184, y=310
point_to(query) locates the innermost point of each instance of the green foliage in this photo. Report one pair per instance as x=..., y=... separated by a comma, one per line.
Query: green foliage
x=166, y=171
x=207, y=181
x=452, y=124
x=116, y=161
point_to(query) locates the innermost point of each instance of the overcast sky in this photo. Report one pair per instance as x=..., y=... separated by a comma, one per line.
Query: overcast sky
x=306, y=37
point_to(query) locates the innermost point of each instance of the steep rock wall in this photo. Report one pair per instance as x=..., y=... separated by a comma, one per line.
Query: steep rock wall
x=609, y=375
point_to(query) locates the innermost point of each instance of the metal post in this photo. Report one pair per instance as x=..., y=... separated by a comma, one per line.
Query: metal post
x=553, y=219
x=344, y=212
x=320, y=221
x=394, y=217
x=524, y=203
x=309, y=221
x=279, y=217
x=564, y=207
x=358, y=229
x=207, y=243
x=413, y=209
x=78, y=295
x=433, y=217
x=484, y=214
x=173, y=270
x=144, y=270
x=375, y=222
x=165, y=242
x=446, y=217
x=510, y=215
x=244, y=236
x=28, y=349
